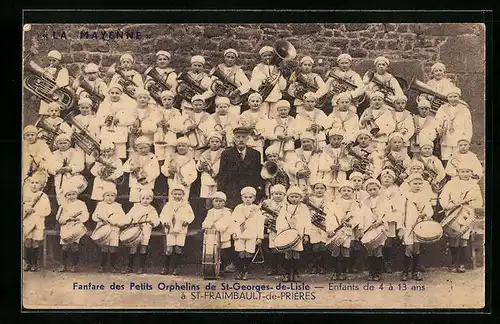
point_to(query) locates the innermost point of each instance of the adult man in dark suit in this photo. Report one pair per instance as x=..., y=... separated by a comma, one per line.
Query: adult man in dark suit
x=239, y=167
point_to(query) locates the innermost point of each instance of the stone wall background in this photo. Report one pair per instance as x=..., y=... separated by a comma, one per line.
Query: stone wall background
x=411, y=47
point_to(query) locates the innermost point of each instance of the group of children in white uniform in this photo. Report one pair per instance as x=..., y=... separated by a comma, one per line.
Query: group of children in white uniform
x=332, y=174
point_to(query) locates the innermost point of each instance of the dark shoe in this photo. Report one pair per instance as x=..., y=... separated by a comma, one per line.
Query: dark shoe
x=342, y=276
x=164, y=271
x=404, y=276
x=175, y=272
x=113, y=269
x=62, y=268
x=286, y=278
x=460, y=269
x=272, y=272
x=376, y=277
x=27, y=267
x=140, y=271
x=417, y=276
x=314, y=270
x=388, y=267
x=101, y=269
x=34, y=268
x=334, y=277
x=238, y=275
x=127, y=270
x=296, y=278
x=73, y=269
x=322, y=271
x=370, y=277
x=244, y=276
x=230, y=268
x=421, y=268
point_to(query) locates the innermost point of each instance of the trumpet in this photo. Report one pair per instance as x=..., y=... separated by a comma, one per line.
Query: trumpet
x=159, y=136
x=192, y=135
x=107, y=170
x=135, y=132
x=301, y=167
x=137, y=171
x=207, y=166
x=371, y=126
x=336, y=172
x=282, y=131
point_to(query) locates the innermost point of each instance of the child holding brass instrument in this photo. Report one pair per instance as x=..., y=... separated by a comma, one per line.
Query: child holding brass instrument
x=305, y=80
x=175, y=216
x=106, y=170
x=376, y=220
x=378, y=120
x=192, y=119
x=255, y=119
x=294, y=215
x=114, y=116
x=344, y=214
x=344, y=118
x=36, y=154
x=71, y=216
x=281, y=131
x=109, y=215
x=145, y=217
x=425, y=126
x=219, y=217
x=167, y=74
x=355, y=264
x=459, y=198
x=270, y=209
x=266, y=74
x=162, y=124
x=364, y=156
x=56, y=72
x=439, y=82
x=318, y=204
x=202, y=79
x=274, y=170
x=395, y=158
x=313, y=120
x=86, y=123
x=464, y=155
x=126, y=69
x=208, y=165
x=90, y=85
x=221, y=121
x=181, y=169
x=381, y=80
x=36, y=206
x=333, y=163
x=303, y=163
x=403, y=120
x=432, y=165
x=143, y=168
x=54, y=122
x=416, y=207
x=454, y=123
x=248, y=231
x=144, y=110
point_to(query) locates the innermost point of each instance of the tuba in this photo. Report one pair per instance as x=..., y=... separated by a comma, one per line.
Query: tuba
x=83, y=138
x=303, y=86
x=283, y=51
x=188, y=87
x=41, y=84
x=48, y=132
x=340, y=85
x=224, y=87
x=387, y=90
x=269, y=170
x=157, y=85
x=124, y=81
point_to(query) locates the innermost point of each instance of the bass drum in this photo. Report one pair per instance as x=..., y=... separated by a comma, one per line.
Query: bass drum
x=210, y=263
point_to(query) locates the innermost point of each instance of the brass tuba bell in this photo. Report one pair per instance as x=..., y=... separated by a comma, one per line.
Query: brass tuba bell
x=269, y=170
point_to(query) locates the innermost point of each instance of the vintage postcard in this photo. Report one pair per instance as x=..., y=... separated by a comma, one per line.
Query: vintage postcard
x=248, y=166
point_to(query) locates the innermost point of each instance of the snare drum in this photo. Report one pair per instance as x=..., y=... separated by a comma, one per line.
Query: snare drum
x=338, y=239
x=74, y=233
x=287, y=240
x=427, y=231
x=374, y=237
x=458, y=222
x=211, y=261
x=131, y=236
x=101, y=234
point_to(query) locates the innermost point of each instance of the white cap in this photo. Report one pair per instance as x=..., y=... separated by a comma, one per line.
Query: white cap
x=254, y=94
x=167, y=93
x=85, y=101
x=371, y=180
x=377, y=94
x=282, y=103
x=356, y=175
x=165, y=53
x=463, y=165
x=231, y=50
x=142, y=140
x=454, y=90
x=400, y=97
x=91, y=67
x=318, y=181
x=426, y=142
x=146, y=192
x=346, y=183
x=115, y=86
x=214, y=135
x=310, y=95
x=107, y=187
x=363, y=131
x=272, y=149
x=344, y=56
x=389, y=172
x=178, y=187
x=197, y=97
x=306, y=135
x=249, y=191
x=61, y=137
x=127, y=56
x=278, y=188
x=141, y=91
x=198, y=59
x=182, y=140
x=55, y=54
x=306, y=59
x=222, y=101
x=295, y=190
x=396, y=134
x=219, y=195
x=414, y=176
x=381, y=59
x=30, y=129
x=266, y=49
x=416, y=163
x=438, y=65
x=335, y=131
x=423, y=103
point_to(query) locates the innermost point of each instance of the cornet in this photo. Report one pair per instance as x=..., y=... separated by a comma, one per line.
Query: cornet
x=208, y=166
x=281, y=130
x=304, y=180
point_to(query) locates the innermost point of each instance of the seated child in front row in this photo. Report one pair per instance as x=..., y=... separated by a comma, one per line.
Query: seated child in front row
x=462, y=192
x=176, y=216
x=36, y=206
x=72, y=213
x=248, y=231
x=219, y=218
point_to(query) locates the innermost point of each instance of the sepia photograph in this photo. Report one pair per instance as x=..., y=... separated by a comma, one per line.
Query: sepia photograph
x=253, y=166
